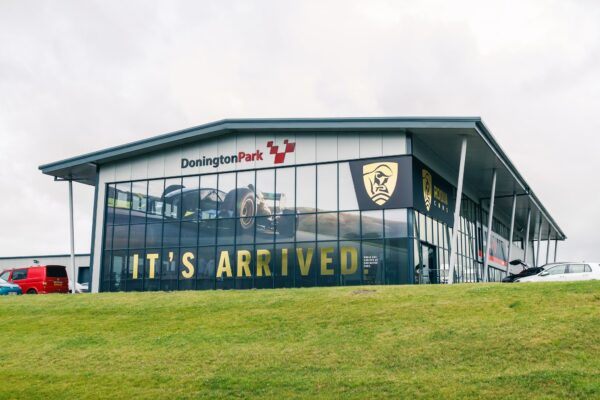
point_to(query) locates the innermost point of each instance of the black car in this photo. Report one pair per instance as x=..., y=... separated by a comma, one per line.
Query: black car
x=527, y=271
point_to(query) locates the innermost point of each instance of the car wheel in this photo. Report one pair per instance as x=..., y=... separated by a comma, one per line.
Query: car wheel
x=32, y=291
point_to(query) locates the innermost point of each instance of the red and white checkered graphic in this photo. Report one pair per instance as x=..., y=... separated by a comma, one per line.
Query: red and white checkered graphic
x=280, y=156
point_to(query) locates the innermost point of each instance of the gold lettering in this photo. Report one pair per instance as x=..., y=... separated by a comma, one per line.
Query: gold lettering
x=284, y=262
x=263, y=257
x=243, y=263
x=326, y=260
x=304, y=262
x=344, y=260
x=136, y=260
x=152, y=257
x=188, y=265
x=224, y=265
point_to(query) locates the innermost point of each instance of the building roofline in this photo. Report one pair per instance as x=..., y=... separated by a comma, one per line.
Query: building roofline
x=44, y=256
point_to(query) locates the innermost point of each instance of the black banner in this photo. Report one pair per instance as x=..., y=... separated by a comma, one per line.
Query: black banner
x=433, y=195
x=383, y=183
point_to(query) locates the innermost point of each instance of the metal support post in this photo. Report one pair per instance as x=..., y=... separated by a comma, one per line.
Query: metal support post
x=548, y=245
x=512, y=231
x=539, y=242
x=461, y=174
x=72, y=232
x=526, y=244
x=489, y=229
x=555, y=248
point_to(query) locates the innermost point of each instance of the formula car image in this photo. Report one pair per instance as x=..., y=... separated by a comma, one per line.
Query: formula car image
x=251, y=210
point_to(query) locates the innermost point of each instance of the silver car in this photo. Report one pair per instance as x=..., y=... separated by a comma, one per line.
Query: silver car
x=565, y=272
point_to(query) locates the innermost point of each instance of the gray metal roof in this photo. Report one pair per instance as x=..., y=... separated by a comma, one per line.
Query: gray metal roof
x=483, y=151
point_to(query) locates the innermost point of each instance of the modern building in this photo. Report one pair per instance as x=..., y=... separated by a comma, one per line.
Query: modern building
x=270, y=203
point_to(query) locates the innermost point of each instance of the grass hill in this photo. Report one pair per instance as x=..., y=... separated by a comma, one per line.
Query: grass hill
x=492, y=341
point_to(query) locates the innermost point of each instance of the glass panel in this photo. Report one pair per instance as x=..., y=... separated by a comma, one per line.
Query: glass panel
x=307, y=264
x=286, y=190
x=210, y=197
x=327, y=263
x=347, y=193
x=265, y=192
x=206, y=268
x=305, y=189
x=152, y=270
x=227, y=192
x=137, y=234
x=372, y=262
x=226, y=258
x=350, y=263
x=122, y=203
x=119, y=268
x=327, y=187
x=306, y=230
x=264, y=264
x=171, y=234
x=327, y=226
x=285, y=227
x=284, y=266
x=372, y=224
x=187, y=269
x=135, y=274
x=576, y=268
x=139, y=202
x=226, y=231
x=120, y=236
x=172, y=198
x=396, y=223
x=350, y=225
x=189, y=234
x=108, y=235
x=208, y=232
x=245, y=230
x=111, y=194
x=246, y=197
x=154, y=235
x=396, y=262
x=155, y=200
x=190, y=198
x=169, y=269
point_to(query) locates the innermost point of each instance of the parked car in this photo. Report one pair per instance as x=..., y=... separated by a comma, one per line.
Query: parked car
x=9, y=288
x=39, y=278
x=563, y=272
x=79, y=287
x=526, y=271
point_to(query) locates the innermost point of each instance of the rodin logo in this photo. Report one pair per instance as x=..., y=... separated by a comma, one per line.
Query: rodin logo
x=380, y=180
x=427, y=188
x=241, y=156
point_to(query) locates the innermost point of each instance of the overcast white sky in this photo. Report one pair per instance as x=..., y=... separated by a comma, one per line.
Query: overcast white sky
x=78, y=76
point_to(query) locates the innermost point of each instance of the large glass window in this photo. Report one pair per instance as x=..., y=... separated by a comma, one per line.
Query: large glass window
x=276, y=227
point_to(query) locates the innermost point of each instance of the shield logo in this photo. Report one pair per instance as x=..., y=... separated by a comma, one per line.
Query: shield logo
x=380, y=180
x=427, y=188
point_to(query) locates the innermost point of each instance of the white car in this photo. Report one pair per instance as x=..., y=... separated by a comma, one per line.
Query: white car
x=564, y=272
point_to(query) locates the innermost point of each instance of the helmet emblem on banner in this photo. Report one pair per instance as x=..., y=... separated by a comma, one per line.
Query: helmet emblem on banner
x=427, y=188
x=380, y=180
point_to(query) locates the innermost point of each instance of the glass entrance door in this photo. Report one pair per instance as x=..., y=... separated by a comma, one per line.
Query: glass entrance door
x=427, y=271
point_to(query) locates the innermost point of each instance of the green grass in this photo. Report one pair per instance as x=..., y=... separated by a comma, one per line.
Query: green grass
x=461, y=341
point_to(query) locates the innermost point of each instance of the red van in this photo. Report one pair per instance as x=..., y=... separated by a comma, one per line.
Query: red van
x=39, y=279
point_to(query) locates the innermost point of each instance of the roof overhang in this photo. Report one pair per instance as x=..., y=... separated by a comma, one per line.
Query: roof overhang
x=483, y=154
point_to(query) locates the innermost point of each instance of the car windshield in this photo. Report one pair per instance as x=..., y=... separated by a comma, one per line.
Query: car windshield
x=2, y=281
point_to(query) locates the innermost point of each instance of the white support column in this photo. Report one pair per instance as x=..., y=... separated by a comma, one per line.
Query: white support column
x=489, y=229
x=512, y=231
x=461, y=174
x=526, y=244
x=539, y=242
x=548, y=245
x=72, y=233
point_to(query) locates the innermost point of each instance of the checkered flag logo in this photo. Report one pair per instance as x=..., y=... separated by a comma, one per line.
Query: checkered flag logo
x=280, y=155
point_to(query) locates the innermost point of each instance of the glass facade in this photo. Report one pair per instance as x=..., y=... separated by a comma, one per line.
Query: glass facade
x=279, y=227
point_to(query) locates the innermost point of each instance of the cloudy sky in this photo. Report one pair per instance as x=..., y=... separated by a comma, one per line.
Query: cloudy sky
x=78, y=76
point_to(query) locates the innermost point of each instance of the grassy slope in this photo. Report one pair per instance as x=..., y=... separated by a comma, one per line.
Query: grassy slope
x=497, y=341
